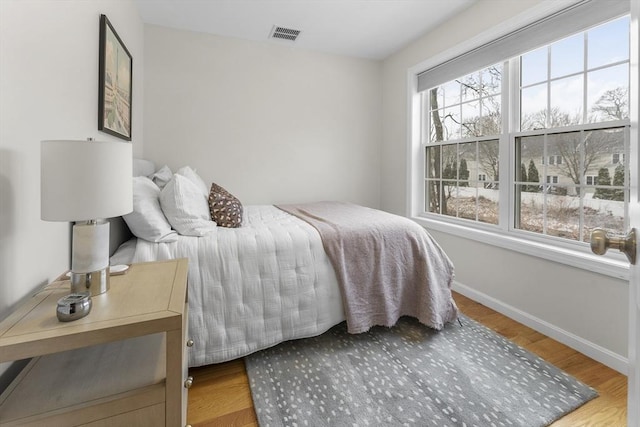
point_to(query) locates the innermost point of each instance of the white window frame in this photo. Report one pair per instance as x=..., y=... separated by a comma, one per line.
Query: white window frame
x=545, y=247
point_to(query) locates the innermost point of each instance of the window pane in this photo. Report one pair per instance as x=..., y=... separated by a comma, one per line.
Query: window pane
x=567, y=56
x=533, y=66
x=471, y=119
x=488, y=156
x=529, y=151
x=471, y=87
x=433, y=192
x=566, y=101
x=609, y=43
x=467, y=169
x=491, y=122
x=432, y=169
x=449, y=198
x=530, y=210
x=570, y=148
x=488, y=203
x=466, y=107
x=492, y=79
x=451, y=93
x=451, y=123
x=608, y=94
x=533, y=107
x=449, y=162
x=475, y=203
x=608, y=166
x=436, y=98
x=581, y=185
x=437, y=126
x=563, y=213
x=467, y=203
x=601, y=148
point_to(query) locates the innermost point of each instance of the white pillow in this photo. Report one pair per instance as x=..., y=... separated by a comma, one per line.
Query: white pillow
x=162, y=176
x=191, y=174
x=147, y=220
x=185, y=208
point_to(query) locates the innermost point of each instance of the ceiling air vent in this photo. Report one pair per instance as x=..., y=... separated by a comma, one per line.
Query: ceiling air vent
x=284, y=33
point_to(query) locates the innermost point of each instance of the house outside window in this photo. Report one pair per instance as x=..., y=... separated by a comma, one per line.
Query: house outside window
x=554, y=160
x=617, y=158
x=570, y=102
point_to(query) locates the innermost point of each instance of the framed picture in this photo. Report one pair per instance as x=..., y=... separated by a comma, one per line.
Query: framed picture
x=114, y=83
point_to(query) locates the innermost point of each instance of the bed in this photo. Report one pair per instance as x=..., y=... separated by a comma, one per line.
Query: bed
x=280, y=276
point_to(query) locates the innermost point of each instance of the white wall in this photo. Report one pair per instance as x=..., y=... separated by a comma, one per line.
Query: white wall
x=49, y=90
x=268, y=122
x=584, y=309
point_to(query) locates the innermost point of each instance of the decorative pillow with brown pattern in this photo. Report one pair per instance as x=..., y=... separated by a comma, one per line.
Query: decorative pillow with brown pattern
x=226, y=209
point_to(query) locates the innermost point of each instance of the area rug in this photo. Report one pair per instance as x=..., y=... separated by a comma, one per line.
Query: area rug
x=409, y=375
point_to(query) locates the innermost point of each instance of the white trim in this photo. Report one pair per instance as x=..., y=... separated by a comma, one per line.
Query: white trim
x=633, y=386
x=608, y=266
x=413, y=134
x=594, y=351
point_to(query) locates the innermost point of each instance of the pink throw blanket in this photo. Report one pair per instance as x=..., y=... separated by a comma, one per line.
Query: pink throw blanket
x=387, y=265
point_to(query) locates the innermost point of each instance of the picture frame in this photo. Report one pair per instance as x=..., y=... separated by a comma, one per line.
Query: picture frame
x=115, y=83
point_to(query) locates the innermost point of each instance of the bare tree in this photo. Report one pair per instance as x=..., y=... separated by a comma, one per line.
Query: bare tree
x=475, y=86
x=553, y=118
x=578, y=151
x=437, y=201
x=488, y=158
x=612, y=105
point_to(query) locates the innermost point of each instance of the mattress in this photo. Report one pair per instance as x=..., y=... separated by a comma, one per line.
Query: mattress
x=251, y=287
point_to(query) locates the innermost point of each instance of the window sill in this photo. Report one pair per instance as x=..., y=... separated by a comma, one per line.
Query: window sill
x=610, y=265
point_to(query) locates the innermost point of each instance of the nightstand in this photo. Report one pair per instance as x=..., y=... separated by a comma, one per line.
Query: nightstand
x=123, y=364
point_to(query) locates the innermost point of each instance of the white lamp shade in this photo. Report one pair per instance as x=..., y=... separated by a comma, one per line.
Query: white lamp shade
x=85, y=180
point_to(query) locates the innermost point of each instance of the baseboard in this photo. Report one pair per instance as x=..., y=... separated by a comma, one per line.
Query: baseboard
x=594, y=351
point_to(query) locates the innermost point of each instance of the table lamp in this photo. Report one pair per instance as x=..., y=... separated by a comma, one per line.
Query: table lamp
x=86, y=182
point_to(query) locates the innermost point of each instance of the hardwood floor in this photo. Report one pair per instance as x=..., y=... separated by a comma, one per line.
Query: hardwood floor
x=220, y=394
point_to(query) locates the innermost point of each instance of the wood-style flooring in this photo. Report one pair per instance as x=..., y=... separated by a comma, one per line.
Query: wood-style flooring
x=220, y=394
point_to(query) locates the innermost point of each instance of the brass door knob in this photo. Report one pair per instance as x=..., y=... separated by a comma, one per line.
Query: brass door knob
x=601, y=241
x=189, y=382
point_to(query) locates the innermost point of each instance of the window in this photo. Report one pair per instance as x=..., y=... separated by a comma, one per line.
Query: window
x=553, y=160
x=465, y=110
x=566, y=142
x=617, y=158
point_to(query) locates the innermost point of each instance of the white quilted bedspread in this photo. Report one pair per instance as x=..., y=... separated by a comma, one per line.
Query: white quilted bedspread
x=255, y=286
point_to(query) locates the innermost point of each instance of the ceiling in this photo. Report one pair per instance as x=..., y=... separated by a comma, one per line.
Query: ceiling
x=361, y=28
